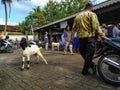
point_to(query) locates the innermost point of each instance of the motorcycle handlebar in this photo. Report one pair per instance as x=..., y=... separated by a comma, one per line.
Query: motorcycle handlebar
x=106, y=38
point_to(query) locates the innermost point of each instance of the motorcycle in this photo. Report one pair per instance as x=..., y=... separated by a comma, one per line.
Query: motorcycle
x=109, y=62
x=36, y=42
x=6, y=46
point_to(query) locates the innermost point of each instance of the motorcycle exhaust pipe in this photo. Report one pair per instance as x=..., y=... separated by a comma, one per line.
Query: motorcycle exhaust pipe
x=112, y=63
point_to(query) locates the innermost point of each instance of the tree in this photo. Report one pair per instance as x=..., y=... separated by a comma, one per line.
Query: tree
x=5, y=2
x=54, y=10
x=23, y=25
x=50, y=10
x=6, y=13
x=36, y=17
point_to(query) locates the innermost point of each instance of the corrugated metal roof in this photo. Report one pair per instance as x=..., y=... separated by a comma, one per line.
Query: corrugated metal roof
x=105, y=4
x=96, y=7
x=58, y=21
x=11, y=28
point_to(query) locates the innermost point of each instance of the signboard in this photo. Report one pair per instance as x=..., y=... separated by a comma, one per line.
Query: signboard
x=63, y=24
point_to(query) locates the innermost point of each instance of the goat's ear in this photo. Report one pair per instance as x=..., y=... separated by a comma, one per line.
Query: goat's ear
x=23, y=40
x=23, y=47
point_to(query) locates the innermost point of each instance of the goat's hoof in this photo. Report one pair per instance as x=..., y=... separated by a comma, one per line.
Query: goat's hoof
x=22, y=69
x=28, y=68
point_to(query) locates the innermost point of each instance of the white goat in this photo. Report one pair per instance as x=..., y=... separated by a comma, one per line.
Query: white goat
x=28, y=51
x=55, y=44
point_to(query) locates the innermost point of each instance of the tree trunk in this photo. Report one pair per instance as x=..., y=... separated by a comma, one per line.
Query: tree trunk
x=6, y=17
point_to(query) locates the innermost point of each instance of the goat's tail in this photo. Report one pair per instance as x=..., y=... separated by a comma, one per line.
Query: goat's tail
x=40, y=54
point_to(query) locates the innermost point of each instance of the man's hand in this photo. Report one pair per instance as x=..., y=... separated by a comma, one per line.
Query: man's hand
x=101, y=39
x=71, y=41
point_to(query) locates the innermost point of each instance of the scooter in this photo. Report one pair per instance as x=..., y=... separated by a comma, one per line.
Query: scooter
x=6, y=46
x=109, y=62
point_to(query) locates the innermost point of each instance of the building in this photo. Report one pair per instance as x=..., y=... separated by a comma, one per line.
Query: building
x=11, y=30
x=108, y=11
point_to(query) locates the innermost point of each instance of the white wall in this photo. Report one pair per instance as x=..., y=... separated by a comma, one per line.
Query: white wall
x=13, y=37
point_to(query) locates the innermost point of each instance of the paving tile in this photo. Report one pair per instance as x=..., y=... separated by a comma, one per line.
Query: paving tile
x=61, y=73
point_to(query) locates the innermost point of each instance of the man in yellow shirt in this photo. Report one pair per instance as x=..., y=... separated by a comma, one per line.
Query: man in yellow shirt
x=87, y=24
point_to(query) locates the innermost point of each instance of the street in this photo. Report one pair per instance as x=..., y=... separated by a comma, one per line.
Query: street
x=63, y=72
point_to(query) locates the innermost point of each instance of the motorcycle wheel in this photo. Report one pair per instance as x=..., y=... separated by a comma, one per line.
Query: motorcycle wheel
x=107, y=72
x=9, y=49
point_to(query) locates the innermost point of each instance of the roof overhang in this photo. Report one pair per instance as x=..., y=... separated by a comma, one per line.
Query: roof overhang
x=56, y=22
x=96, y=8
x=105, y=4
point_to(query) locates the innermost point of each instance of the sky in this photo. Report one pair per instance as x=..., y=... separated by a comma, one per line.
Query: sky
x=19, y=10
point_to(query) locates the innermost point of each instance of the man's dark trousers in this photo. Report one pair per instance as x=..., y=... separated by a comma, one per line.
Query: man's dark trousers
x=87, y=49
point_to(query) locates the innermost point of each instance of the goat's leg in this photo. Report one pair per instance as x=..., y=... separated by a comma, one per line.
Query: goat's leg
x=70, y=48
x=52, y=46
x=42, y=57
x=23, y=63
x=58, y=47
x=37, y=58
x=28, y=62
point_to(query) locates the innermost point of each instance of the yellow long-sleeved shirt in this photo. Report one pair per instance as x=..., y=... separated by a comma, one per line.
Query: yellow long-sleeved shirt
x=86, y=23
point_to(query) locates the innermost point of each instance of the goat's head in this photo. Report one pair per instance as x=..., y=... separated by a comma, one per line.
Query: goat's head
x=23, y=43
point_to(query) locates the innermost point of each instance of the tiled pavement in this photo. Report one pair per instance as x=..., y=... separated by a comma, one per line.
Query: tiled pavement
x=62, y=73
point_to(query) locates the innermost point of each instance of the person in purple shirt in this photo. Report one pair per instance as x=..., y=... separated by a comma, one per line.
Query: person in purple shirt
x=67, y=36
x=46, y=40
x=115, y=31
